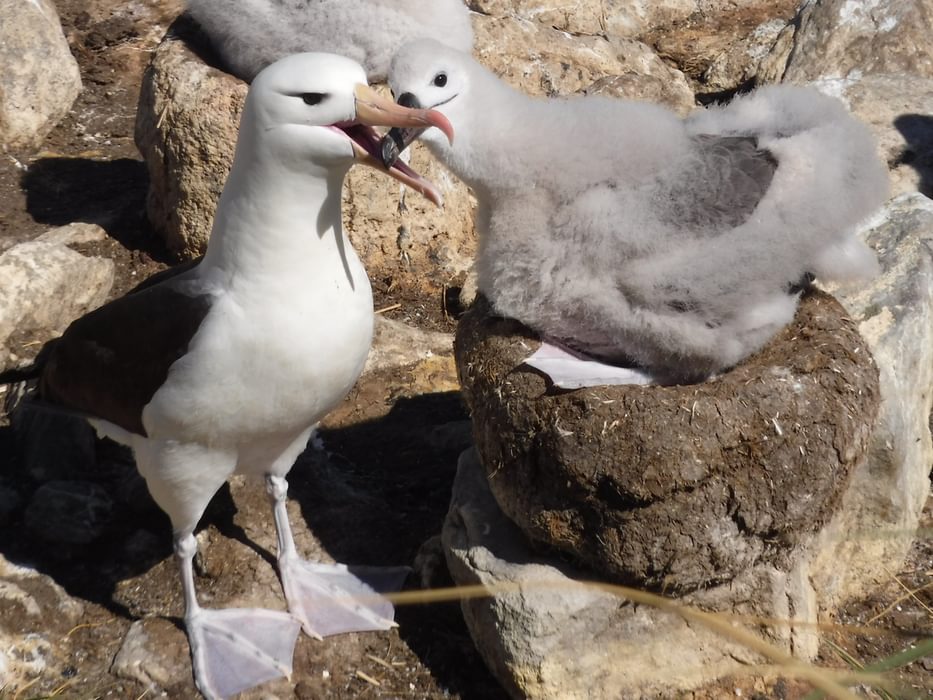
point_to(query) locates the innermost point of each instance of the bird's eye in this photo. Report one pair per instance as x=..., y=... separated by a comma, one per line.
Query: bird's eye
x=313, y=98
x=440, y=80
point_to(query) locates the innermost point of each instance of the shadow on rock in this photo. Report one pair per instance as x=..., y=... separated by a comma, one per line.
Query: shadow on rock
x=375, y=495
x=82, y=514
x=109, y=193
x=917, y=130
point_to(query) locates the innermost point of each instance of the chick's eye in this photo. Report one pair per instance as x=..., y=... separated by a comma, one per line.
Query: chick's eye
x=312, y=98
x=440, y=80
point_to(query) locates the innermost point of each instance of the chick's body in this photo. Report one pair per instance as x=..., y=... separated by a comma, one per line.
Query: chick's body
x=636, y=236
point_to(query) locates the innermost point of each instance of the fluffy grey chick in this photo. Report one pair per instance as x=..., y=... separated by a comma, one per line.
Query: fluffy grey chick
x=251, y=34
x=624, y=231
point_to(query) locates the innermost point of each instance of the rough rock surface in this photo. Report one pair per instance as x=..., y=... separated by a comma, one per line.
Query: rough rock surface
x=36, y=611
x=396, y=344
x=616, y=17
x=40, y=79
x=541, y=60
x=721, y=44
x=681, y=486
x=840, y=39
x=46, y=285
x=544, y=636
x=186, y=126
x=898, y=108
x=877, y=521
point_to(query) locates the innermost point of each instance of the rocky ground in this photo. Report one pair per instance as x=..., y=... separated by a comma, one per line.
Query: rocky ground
x=91, y=606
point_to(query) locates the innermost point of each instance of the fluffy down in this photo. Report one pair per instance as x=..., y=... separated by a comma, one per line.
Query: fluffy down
x=251, y=34
x=622, y=230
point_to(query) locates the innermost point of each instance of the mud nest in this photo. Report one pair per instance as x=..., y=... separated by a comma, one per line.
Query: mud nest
x=674, y=487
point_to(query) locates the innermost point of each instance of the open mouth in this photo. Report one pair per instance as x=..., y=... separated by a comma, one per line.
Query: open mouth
x=367, y=147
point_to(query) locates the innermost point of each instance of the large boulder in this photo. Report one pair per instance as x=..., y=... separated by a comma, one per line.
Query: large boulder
x=674, y=487
x=40, y=78
x=873, y=529
x=840, y=39
x=45, y=286
x=541, y=60
x=548, y=633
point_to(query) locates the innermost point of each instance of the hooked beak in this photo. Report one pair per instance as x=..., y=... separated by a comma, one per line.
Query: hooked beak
x=400, y=138
x=374, y=110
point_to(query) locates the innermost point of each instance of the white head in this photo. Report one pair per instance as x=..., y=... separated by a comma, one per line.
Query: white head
x=487, y=112
x=314, y=111
x=426, y=72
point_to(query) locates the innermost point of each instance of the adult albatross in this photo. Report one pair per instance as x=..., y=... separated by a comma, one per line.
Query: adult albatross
x=225, y=367
x=615, y=227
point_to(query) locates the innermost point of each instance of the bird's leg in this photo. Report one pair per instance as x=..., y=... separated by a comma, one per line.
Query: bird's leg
x=236, y=648
x=327, y=598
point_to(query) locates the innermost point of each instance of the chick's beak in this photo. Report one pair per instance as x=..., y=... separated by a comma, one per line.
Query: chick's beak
x=372, y=109
x=400, y=138
x=376, y=110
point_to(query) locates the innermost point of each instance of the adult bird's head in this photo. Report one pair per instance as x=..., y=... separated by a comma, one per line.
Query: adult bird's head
x=426, y=74
x=315, y=111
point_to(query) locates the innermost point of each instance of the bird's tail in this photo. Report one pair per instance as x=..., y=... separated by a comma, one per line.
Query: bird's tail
x=14, y=386
x=20, y=374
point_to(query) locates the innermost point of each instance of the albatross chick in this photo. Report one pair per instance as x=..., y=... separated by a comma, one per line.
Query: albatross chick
x=251, y=34
x=623, y=231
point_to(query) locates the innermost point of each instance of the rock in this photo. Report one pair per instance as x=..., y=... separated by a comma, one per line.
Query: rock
x=624, y=18
x=38, y=593
x=897, y=107
x=10, y=503
x=69, y=234
x=35, y=611
x=545, y=636
x=75, y=233
x=681, y=486
x=540, y=60
x=45, y=286
x=880, y=511
x=24, y=658
x=53, y=445
x=186, y=129
x=72, y=512
x=741, y=62
x=711, y=43
x=40, y=80
x=396, y=344
x=154, y=652
x=840, y=39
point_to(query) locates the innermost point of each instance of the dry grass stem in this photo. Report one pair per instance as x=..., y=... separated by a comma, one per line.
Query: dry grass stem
x=366, y=677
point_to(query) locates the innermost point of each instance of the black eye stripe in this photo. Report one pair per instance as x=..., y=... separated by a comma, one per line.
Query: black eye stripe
x=313, y=98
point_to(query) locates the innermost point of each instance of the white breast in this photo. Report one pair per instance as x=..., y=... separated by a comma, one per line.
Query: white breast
x=272, y=356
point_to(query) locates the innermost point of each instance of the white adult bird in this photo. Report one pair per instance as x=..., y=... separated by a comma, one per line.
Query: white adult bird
x=621, y=230
x=250, y=34
x=226, y=366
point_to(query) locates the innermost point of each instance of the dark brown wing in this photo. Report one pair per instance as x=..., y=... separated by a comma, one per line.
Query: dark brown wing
x=110, y=362
x=723, y=185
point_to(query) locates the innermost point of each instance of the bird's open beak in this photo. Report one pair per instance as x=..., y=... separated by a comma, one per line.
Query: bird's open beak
x=374, y=110
x=400, y=138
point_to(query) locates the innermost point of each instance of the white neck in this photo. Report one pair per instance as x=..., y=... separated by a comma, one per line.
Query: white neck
x=297, y=233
